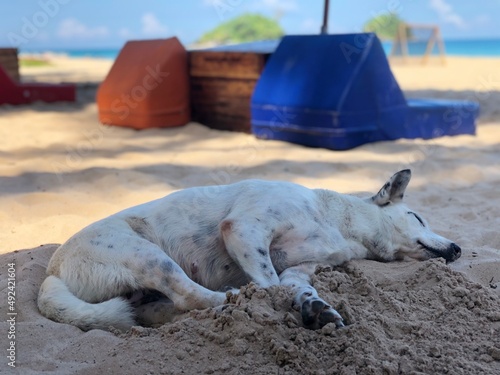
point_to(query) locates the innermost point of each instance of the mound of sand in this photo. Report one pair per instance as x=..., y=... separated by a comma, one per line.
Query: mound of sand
x=402, y=318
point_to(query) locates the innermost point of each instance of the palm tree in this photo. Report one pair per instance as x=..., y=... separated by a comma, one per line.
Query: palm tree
x=385, y=25
x=246, y=28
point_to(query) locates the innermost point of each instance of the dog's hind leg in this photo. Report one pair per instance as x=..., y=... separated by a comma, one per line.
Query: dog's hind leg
x=315, y=312
x=155, y=270
x=248, y=245
x=87, y=287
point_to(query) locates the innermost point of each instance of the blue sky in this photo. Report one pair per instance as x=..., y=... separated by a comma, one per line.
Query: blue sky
x=35, y=24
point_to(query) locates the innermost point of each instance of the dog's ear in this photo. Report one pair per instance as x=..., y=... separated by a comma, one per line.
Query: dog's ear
x=394, y=189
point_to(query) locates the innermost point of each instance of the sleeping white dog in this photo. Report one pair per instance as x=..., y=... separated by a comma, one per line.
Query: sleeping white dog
x=193, y=244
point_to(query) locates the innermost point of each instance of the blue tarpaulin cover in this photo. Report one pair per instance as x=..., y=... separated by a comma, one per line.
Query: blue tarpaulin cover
x=338, y=92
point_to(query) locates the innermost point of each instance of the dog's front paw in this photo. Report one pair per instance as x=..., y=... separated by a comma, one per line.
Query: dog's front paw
x=316, y=313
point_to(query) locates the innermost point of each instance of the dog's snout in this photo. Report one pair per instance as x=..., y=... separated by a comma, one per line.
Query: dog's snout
x=455, y=252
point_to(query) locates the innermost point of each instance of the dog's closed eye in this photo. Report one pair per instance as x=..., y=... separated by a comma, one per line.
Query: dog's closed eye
x=418, y=218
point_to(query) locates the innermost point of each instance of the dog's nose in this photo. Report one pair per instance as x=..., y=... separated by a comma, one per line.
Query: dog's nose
x=455, y=252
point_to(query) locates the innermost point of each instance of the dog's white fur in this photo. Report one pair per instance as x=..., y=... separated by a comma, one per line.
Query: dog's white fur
x=193, y=243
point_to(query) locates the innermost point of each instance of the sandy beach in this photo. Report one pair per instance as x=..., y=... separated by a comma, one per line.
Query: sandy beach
x=60, y=170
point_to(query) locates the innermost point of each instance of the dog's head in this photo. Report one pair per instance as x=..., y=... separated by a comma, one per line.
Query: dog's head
x=410, y=234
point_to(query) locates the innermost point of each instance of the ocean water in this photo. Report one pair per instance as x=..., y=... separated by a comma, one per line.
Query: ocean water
x=107, y=53
x=469, y=47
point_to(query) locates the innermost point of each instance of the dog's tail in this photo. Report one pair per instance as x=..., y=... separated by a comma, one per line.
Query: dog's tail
x=56, y=302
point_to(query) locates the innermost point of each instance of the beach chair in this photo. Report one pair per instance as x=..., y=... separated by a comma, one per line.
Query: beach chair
x=12, y=92
x=338, y=92
x=147, y=86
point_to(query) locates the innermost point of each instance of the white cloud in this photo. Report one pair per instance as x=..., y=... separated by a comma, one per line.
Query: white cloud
x=72, y=28
x=446, y=13
x=152, y=26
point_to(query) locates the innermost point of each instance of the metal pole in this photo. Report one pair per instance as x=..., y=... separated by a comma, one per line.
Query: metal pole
x=324, y=27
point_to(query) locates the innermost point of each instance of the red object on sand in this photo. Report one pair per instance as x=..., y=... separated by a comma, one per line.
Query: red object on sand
x=15, y=93
x=147, y=86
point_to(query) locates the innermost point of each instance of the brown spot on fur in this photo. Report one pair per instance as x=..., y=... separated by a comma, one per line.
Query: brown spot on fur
x=194, y=269
x=226, y=226
x=141, y=226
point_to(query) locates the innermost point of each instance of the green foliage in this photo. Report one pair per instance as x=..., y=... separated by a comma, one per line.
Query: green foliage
x=33, y=63
x=245, y=28
x=385, y=26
